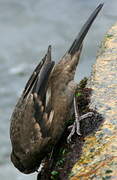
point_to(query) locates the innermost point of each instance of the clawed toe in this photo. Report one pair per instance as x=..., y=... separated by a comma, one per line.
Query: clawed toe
x=87, y=115
x=75, y=128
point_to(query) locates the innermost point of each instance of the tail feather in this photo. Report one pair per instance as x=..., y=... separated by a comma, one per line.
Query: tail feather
x=81, y=35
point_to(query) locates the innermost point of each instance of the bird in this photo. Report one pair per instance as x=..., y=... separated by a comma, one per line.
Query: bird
x=44, y=107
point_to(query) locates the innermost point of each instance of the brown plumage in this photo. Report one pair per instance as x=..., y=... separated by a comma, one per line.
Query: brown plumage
x=40, y=116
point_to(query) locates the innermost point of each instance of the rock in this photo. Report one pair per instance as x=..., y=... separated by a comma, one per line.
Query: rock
x=98, y=158
x=94, y=154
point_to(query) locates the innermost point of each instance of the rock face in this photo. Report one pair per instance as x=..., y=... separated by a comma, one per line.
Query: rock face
x=98, y=159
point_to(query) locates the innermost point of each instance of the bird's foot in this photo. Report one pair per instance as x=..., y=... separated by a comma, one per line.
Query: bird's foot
x=41, y=167
x=75, y=128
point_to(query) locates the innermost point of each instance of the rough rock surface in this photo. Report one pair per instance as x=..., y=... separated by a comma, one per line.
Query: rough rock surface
x=98, y=159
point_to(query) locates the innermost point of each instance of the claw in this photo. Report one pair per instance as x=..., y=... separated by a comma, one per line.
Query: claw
x=87, y=115
x=76, y=125
x=71, y=133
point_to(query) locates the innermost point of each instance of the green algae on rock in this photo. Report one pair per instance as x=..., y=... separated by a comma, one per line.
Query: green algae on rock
x=99, y=153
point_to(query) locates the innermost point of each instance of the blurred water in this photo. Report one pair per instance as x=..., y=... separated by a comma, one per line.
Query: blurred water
x=26, y=29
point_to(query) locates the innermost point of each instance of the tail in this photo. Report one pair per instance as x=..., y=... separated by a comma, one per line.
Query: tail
x=80, y=37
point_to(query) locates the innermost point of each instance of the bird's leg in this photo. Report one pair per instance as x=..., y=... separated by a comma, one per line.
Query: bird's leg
x=76, y=125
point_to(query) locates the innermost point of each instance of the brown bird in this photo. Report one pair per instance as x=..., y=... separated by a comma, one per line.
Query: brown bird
x=40, y=116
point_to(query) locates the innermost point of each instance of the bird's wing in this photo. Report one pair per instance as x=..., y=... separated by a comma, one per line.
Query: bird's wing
x=76, y=45
x=37, y=86
x=38, y=80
